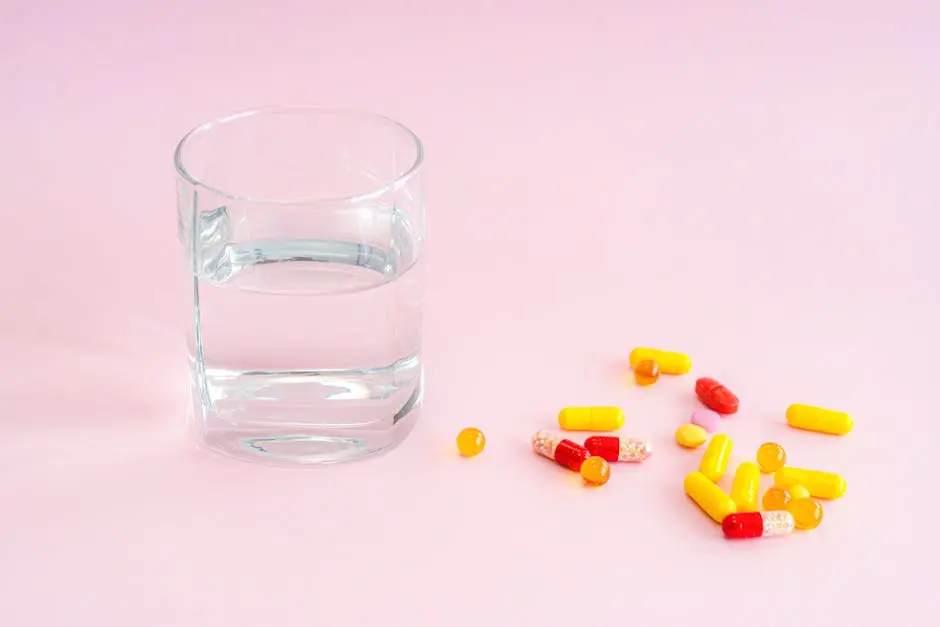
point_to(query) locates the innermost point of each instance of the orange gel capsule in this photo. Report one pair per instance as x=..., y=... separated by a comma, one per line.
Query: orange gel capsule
x=771, y=457
x=595, y=471
x=646, y=372
x=776, y=498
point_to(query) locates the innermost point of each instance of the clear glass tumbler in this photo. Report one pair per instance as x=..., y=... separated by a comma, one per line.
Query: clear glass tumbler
x=303, y=231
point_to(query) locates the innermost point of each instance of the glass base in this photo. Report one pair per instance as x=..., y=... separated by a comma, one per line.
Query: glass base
x=285, y=437
x=292, y=449
x=290, y=418
x=295, y=447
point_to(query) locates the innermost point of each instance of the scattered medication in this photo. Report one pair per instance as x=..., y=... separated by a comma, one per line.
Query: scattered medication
x=822, y=485
x=715, y=460
x=757, y=524
x=691, y=436
x=818, y=419
x=669, y=362
x=798, y=492
x=791, y=503
x=706, y=419
x=746, y=487
x=617, y=449
x=470, y=442
x=716, y=396
x=807, y=513
x=590, y=418
x=771, y=457
x=562, y=451
x=595, y=471
x=776, y=498
x=646, y=372
x=708, y=496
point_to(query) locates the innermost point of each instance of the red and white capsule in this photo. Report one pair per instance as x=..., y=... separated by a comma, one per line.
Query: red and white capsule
x=560, y=450
x=616, y=449
x=757, y=524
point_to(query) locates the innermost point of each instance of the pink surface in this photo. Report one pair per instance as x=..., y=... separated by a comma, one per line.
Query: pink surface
x=754, y=183
x=707, y=419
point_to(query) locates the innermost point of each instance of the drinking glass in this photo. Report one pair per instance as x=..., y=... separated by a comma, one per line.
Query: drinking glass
x=303, y=233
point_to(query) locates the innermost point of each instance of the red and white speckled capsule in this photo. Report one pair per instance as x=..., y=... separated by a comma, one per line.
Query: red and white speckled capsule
x=616, y=449
x=757, y=524
x=560, y=450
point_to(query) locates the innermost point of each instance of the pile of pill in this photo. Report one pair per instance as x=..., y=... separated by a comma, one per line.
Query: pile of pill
x=592, y=458
x=792, y=503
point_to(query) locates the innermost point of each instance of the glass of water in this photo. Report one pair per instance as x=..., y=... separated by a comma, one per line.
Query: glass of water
x=303, y=233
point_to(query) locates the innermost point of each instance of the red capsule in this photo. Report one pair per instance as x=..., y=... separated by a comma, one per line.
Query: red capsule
x=616, y=449
x=606, y=446
x=715, y=396
x=571, y=455
x=747, y=525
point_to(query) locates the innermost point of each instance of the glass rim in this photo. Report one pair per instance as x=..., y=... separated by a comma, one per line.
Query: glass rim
x=381, y=187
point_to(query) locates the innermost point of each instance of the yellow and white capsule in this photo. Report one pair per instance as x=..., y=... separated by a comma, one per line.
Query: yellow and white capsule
x=715, y=460
x=746, y=486
x=590, y=418
x=822, y=485
x=669, y=362
x=709, y=497
x=819, y=419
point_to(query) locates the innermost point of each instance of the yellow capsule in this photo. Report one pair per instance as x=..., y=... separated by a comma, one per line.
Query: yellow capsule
x=819, y=419
x=771, y=457
x=798, y=492
x=470, y=442
x=691, y=436
x=669, y=363
x=807, y=513
x=590, y=418
x=822, y=485
x=776, y=498
x=746, y=486
x=708, y=496
x=715, y=460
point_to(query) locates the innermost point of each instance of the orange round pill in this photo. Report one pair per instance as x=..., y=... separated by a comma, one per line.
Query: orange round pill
x=595, y=471
x=775, y=498
x=807, y=513
x=646, y=372
x=470, y=442
x=771, y=457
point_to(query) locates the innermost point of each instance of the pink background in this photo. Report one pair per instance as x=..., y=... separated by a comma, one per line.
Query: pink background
x=755, y=183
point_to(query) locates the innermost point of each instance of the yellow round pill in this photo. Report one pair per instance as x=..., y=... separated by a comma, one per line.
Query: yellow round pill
x=798, y=492
x=691, y=436
x=470, y=442
x=595, y=471
x=807, y=513
x=771, y=457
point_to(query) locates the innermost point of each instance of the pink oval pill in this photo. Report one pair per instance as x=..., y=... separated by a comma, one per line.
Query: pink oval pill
x=706, y=419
